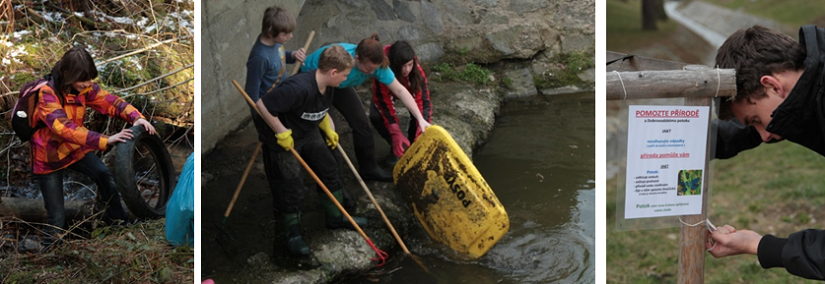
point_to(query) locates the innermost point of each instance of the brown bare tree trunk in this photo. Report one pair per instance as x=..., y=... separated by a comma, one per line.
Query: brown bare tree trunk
x=650, y=14
x=661, y=8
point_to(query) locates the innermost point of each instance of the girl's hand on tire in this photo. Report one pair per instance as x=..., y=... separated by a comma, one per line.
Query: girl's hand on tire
x=122, y=136
x=146, y=125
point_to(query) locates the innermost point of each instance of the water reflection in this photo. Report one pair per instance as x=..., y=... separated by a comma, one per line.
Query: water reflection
x=540, y=162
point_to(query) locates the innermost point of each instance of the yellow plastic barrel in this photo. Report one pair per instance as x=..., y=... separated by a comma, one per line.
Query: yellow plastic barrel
x=449, y=196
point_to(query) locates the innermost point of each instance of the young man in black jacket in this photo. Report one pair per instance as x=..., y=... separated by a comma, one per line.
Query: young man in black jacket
x=779, y=96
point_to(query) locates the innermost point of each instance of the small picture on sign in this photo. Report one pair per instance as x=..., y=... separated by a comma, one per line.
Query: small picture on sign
x=690, y=182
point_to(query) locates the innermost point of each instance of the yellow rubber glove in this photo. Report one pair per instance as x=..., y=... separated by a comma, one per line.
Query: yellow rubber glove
x=285, y=139
x=332, y=137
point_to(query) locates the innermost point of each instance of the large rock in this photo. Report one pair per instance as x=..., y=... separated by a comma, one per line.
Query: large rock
x=467, y=112
x=483, y=31
x=520, y=84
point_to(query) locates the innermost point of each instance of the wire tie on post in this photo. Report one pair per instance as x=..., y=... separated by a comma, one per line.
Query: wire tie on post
x=622, y=81
x=718, y=81
x=711, y=228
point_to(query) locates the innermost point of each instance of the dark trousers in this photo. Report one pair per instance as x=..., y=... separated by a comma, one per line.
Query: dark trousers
x=284, y=171
x=51, y=185
x=378, y=123
x=346, y=102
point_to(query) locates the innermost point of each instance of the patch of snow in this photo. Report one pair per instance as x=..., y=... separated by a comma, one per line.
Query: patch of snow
x=52, y=16
x=135, y=62
x=20, y=34
x=119, y=20
x=142, y=22
x=122, y=20
x=14, y=54
x=183, y=18
x=92, y=51
x=149, y=29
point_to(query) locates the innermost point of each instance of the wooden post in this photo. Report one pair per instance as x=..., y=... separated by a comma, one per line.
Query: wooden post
x=692, y=239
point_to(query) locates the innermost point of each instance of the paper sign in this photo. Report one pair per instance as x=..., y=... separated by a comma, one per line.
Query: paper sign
x=666, y=149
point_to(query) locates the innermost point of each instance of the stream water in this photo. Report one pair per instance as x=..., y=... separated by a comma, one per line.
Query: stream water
x=540, y=161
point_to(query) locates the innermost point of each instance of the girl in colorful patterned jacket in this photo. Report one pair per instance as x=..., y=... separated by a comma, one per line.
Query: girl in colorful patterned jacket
x=66, y=144
x=404, y=64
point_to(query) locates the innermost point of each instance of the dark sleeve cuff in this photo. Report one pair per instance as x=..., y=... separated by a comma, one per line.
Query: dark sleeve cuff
x=769, y=251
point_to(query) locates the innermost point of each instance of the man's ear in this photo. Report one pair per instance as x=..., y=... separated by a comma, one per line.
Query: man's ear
x=772, y=85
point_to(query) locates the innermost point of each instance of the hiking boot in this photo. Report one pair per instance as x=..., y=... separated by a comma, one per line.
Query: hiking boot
x=377, y=174
x=342, y=222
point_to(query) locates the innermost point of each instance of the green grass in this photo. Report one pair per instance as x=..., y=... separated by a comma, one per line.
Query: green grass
x=470, y=72
x=769, y=189
x=624, y=27
x=790, y=12
x=573, y=63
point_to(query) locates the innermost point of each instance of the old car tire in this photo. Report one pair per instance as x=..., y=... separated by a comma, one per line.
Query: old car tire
x=131, y=159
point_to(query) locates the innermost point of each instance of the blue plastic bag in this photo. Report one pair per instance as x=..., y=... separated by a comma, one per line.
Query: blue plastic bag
x=180, y=210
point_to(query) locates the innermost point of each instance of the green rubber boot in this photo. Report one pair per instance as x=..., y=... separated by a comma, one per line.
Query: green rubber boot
x=294, y=241
x=334, y=218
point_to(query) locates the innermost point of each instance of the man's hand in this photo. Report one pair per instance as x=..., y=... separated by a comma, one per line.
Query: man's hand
x=729, y=241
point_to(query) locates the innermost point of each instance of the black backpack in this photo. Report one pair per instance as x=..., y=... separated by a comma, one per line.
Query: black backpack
x=22, y=115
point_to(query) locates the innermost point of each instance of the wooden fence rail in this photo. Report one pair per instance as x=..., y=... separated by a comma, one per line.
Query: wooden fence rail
x=670, y=84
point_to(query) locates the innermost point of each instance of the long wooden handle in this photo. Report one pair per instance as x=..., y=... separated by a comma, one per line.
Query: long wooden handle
x=306, y=51
x=309, y=170
x=243, y=179
x=372, y=198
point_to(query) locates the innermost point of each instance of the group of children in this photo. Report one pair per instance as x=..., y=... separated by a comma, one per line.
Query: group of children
x=298, y=109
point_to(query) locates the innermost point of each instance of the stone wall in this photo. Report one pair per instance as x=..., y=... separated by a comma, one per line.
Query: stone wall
x=228, y=30
x=482, y=31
